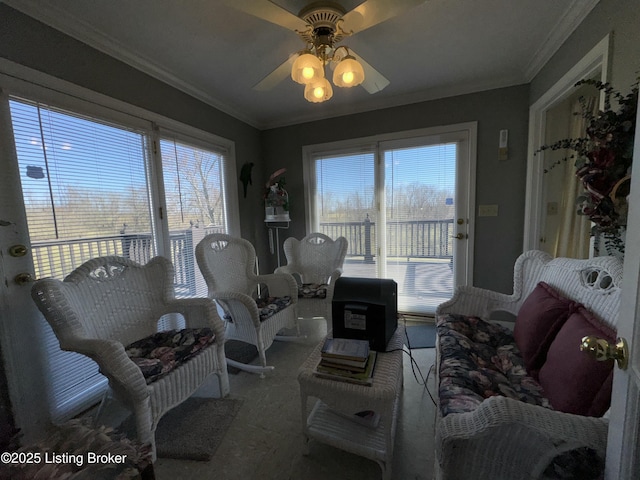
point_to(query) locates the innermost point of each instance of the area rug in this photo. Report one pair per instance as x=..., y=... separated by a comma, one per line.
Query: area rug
x=240, y=352
x=194, y=429
x=421, y=336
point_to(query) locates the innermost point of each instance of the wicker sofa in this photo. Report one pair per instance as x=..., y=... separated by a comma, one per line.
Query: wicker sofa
x=526, y=403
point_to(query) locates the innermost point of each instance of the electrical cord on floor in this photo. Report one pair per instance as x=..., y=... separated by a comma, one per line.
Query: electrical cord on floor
x=415, y=368
x=414, y=364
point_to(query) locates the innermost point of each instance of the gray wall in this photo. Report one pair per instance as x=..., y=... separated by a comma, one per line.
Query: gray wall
x=30, y=43
x=622, y=20
x=498, y=239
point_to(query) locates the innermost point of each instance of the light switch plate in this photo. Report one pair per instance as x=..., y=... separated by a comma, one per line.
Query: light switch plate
x=488, y=210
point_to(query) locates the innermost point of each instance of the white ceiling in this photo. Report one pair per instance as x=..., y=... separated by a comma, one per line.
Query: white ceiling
x=217, y=53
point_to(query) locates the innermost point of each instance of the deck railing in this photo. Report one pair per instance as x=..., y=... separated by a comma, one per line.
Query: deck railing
x=57, y=258
x=405, y=239
x=414, y=239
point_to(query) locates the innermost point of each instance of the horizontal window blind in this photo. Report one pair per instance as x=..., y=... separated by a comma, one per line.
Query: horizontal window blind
x=345, y=203
x=419, y=196
x=395, y=202
x=86, y=195
x=194, y=190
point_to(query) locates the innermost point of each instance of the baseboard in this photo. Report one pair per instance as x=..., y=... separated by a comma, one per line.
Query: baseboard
x=417, y=318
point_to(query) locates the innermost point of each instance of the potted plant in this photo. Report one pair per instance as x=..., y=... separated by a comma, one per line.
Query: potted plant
x=276, y=198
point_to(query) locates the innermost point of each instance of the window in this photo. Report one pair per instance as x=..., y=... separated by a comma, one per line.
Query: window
x=345, y=206
x=195, y=195
x=93, y=184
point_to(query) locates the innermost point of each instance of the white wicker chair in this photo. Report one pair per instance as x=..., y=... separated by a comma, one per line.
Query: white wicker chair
x=228, y=266
x=505, y=438
x=315, y=261
x=107, y=304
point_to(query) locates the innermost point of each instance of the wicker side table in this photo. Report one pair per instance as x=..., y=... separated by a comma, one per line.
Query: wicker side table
x=327, y=426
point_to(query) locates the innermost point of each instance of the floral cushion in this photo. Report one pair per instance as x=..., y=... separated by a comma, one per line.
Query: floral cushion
x=312, y=290
x=162, y=352
x=479, y=359
x=269, y=306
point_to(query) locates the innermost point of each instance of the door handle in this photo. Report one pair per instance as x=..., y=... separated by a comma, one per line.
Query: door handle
x=23, y=278
x=460, y=236
x=602, y=350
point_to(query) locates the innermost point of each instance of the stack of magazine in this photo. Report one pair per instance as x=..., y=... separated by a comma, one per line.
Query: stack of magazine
x=347, y=360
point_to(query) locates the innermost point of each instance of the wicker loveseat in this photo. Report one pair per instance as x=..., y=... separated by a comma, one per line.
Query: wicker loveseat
x=527, y=403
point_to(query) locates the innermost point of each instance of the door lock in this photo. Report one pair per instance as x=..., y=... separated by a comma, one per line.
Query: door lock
x=23, y=278
x=17, y=250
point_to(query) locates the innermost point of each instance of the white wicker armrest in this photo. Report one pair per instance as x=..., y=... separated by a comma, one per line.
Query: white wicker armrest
x=524, y=438
x=280, y=285
x=290, y=269
x=476, y=301
x=334, y=276
x=230, y=300
x=124, y=375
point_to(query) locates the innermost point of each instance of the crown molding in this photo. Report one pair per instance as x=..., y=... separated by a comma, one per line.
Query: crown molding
x=56, y=17
x=566, y=25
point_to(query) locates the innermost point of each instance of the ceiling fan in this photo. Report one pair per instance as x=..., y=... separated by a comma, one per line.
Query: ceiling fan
x=322, y=26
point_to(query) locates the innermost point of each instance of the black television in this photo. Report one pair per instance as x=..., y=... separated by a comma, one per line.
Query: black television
x=365, y=309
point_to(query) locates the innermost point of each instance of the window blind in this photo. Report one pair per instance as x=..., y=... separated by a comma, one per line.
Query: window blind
x=194, y=191
x=400, y=226
x=345, y=202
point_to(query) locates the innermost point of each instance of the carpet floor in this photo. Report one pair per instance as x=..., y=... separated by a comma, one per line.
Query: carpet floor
x=194, y=429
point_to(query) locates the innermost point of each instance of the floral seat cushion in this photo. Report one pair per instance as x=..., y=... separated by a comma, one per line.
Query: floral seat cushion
x=267, y=307
x=479, y=359
x=312, y=290
x=162, y=352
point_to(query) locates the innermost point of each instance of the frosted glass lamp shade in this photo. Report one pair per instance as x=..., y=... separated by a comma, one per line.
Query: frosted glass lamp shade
x=306, y=69
x=319, y=91
x=348, y=73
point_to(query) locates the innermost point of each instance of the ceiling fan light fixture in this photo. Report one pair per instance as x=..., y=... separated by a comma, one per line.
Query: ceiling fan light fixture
x=307, y=68
x=348, y=73
x=319, y=91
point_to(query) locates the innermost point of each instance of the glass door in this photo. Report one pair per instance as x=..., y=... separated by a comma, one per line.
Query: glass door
x=404, y=205
x=85, y=192
x=419, y=218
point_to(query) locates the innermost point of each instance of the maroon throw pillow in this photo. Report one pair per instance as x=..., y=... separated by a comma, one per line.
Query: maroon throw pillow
x=539, y=319
x=573, y=381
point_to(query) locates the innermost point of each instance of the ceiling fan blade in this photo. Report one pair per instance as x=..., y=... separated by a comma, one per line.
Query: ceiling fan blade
x=275, y=77
x=268, y=11
x=374, y=81
x=373, y=12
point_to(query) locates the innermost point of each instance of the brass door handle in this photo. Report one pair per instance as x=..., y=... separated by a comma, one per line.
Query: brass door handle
x=602, y=350
x=459, y=236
